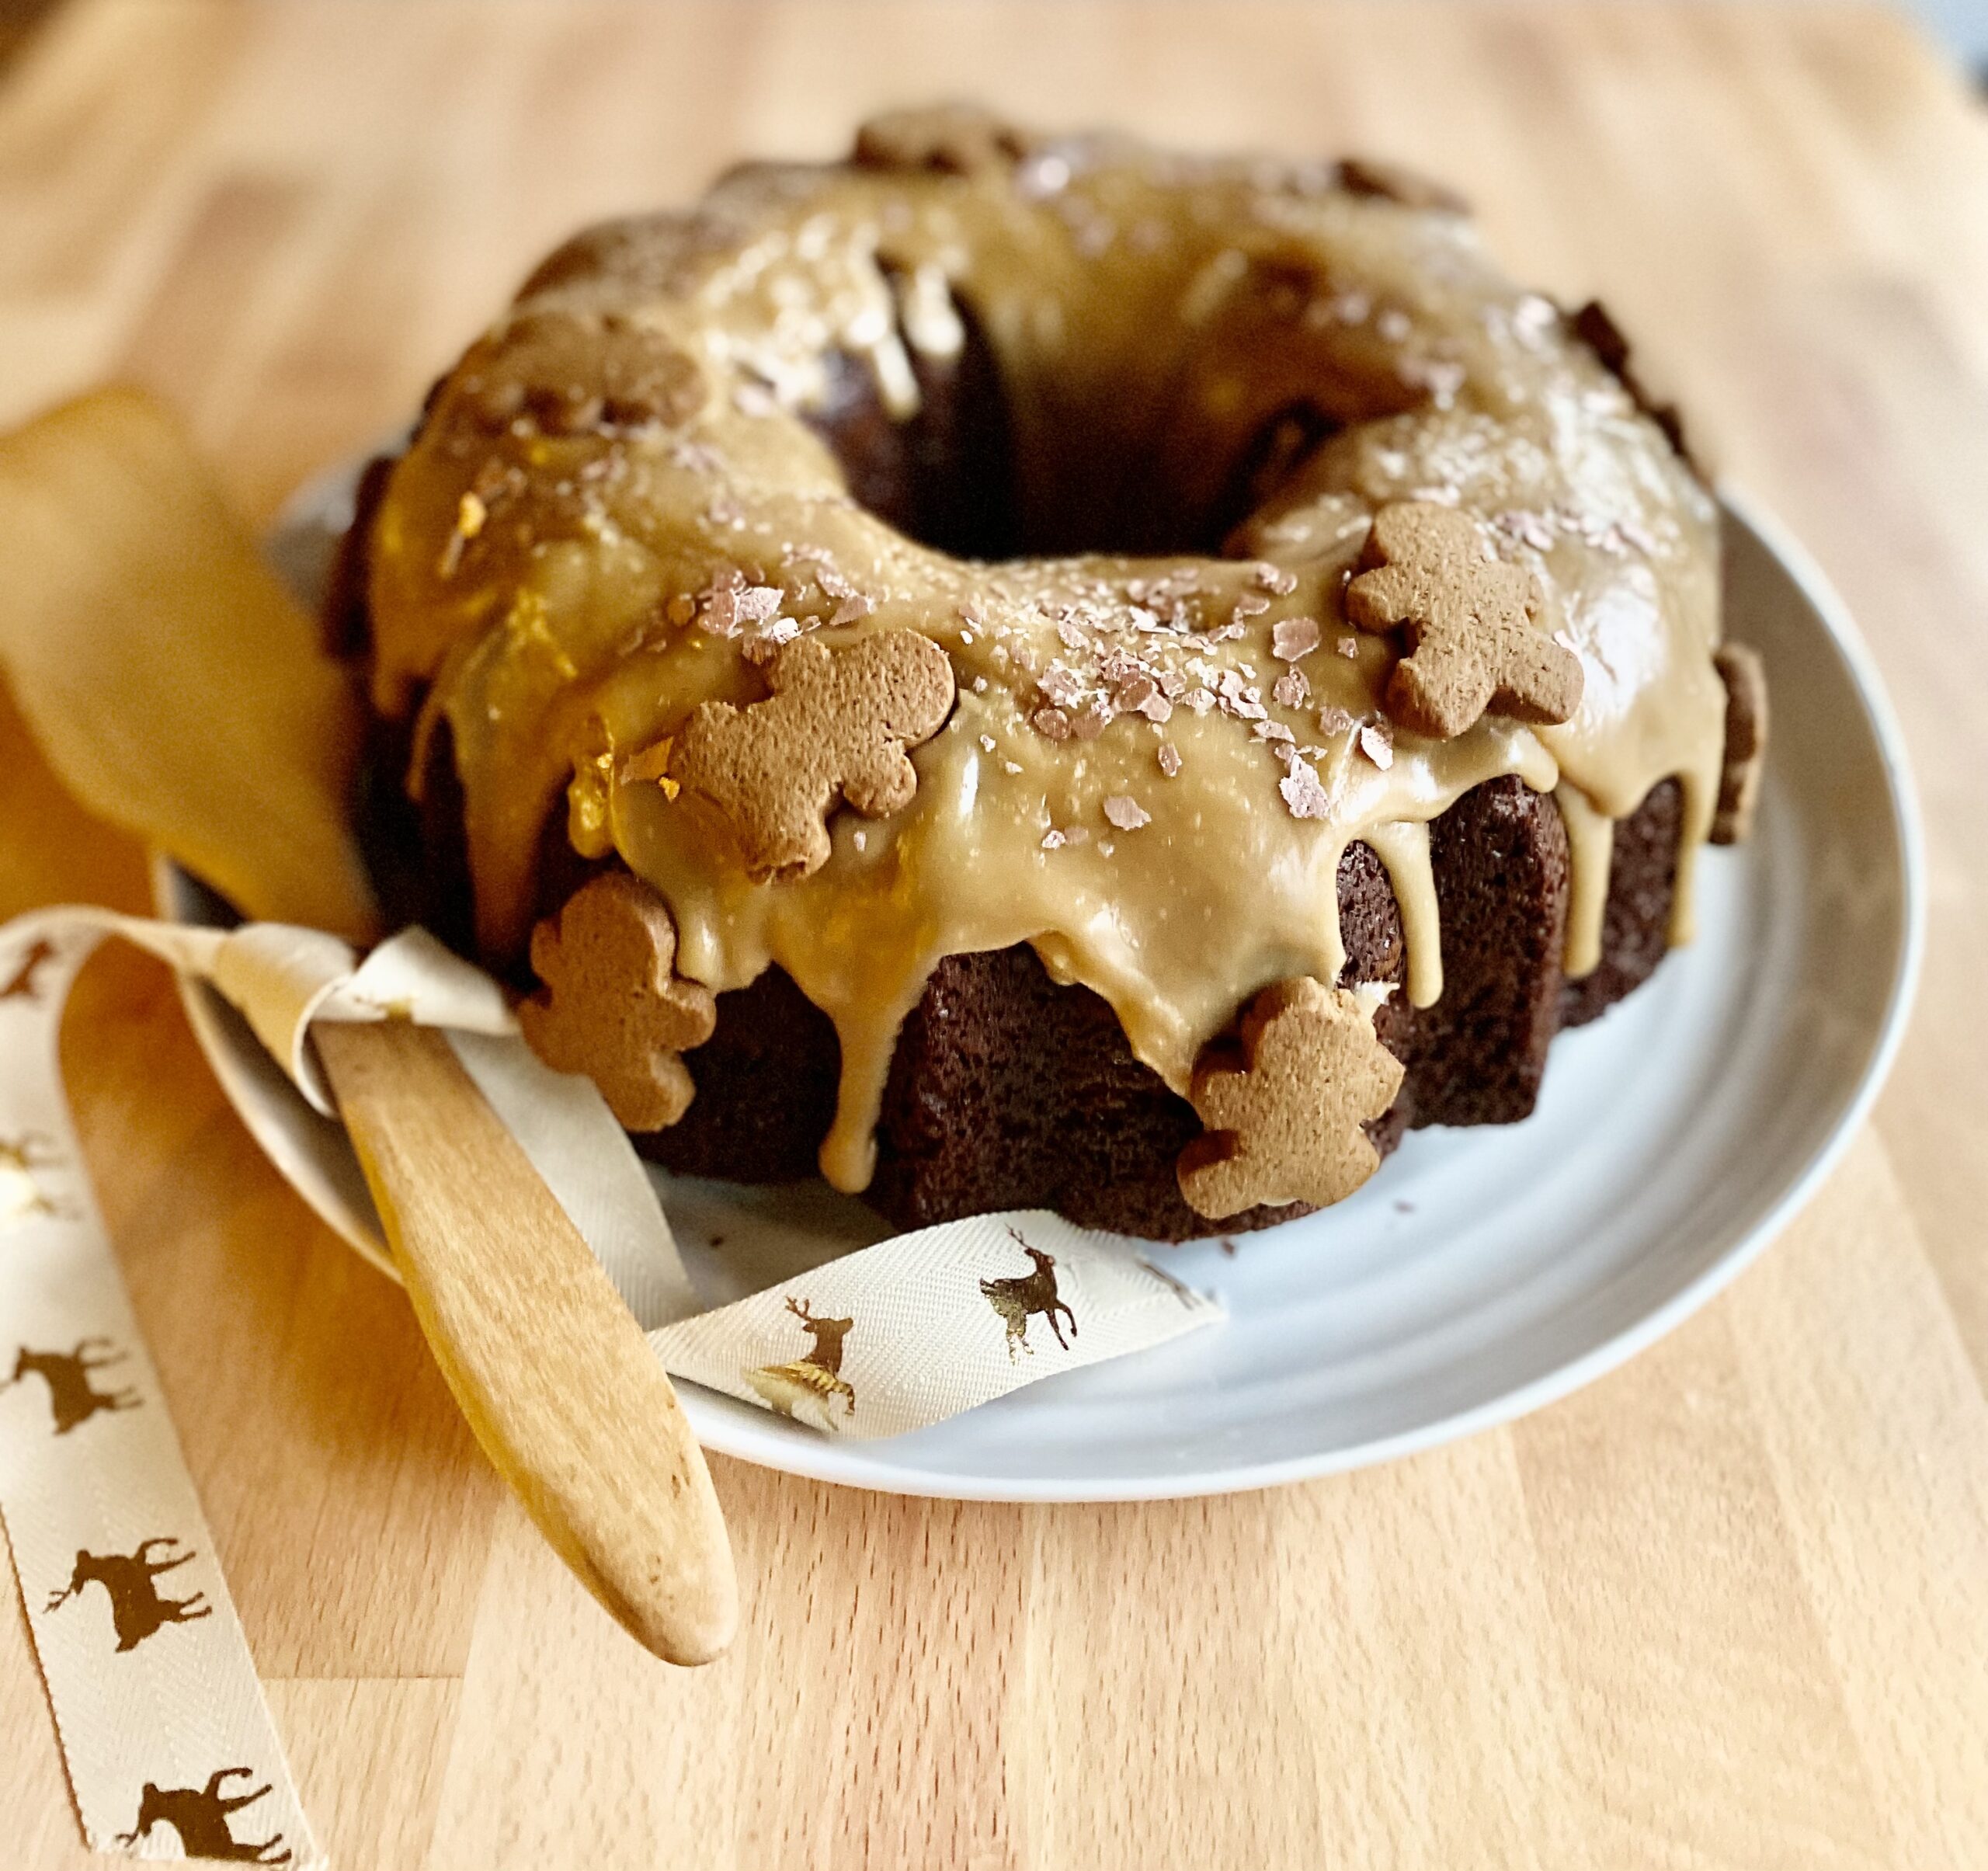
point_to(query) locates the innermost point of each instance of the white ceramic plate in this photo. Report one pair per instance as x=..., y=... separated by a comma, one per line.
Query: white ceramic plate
x=1481, y=1273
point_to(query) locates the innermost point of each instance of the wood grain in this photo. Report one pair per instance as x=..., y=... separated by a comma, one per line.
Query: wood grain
x=1727, y=1609
x=554, y=1375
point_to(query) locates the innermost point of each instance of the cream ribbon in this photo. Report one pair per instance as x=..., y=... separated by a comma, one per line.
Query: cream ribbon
x=161, y=1719
x=163, y=1728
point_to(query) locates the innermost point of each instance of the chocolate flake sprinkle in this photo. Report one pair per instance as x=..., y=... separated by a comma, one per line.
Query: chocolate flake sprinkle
x=1292, y=637
x=1303, y=793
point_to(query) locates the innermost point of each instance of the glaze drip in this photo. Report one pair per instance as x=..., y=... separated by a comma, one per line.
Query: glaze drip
x=1590, y=845
x=1404, y=849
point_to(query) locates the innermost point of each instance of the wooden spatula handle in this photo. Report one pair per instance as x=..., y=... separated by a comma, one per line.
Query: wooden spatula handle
x=562, y=1390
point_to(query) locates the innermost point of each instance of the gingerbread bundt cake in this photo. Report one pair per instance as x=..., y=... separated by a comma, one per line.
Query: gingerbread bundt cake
x=1033, y=672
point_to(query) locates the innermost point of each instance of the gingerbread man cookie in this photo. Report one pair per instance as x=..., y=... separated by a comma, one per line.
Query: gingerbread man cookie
x=1470, y=624
x=565, y=372
x=1394, y=181
x=612, y=1005
x=1285, y=1110
x=1600, y=333
x=954, y=139
x=835, y=727
x=1746, y=679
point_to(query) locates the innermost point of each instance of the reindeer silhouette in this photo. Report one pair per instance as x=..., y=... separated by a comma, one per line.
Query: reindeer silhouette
x=1015, y=1299
x=22, y=1196
x=20, y=985
x=71, y=1397
x=816, y=1378
x=200, y=1815
x=137, y=1609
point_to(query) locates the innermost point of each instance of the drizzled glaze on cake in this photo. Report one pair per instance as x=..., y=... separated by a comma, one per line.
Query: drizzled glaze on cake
x=1154, y=762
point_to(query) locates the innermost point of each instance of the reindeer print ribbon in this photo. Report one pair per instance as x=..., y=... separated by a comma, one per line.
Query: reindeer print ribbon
x=924, y=1326
x=162, y=1724
x=169, y=1745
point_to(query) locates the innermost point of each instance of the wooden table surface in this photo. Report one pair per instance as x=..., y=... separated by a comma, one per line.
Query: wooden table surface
x=1728, y=1608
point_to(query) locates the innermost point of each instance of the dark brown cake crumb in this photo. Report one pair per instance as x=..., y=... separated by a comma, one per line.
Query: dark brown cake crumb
x=1636, y=928
x=1500, y=860
x=1008, y=1091
x=766, y=1088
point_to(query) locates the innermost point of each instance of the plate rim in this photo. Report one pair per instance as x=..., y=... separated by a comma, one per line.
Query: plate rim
x=842, y=1464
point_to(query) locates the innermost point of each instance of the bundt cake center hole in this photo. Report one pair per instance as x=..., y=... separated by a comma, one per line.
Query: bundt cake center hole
x=953, y=475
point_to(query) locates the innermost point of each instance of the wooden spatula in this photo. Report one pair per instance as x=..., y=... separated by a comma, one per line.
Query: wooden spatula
x=550, y=1368
x=182, y=692
x=173, y=684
